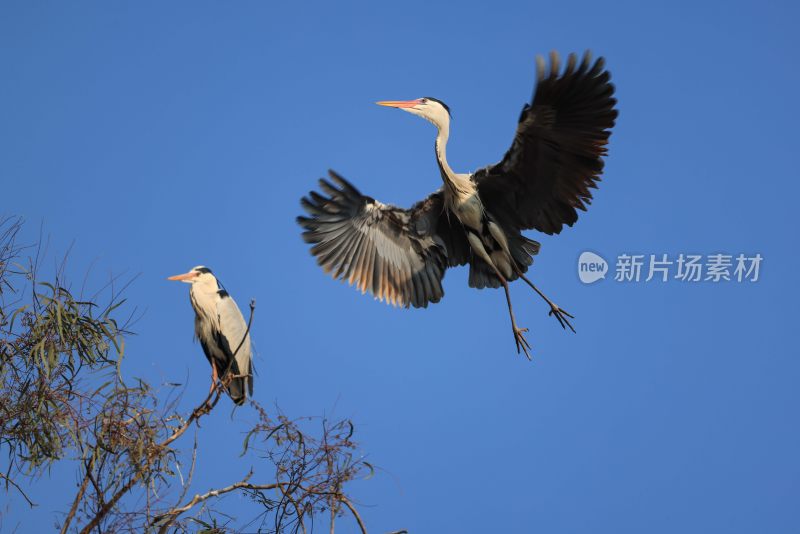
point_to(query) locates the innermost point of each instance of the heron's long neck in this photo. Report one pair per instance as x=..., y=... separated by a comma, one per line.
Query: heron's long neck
x=457, y=187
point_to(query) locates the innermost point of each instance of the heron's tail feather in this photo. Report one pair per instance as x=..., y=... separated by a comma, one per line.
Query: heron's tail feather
x=239, y=388
x=522, y=249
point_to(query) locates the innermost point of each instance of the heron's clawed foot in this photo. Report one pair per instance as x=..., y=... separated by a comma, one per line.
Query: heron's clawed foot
x=521, y=342
x=561, y=315
x=203, y=409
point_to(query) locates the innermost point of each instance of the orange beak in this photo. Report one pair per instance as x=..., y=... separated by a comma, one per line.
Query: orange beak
x=181, y=277
x=400, y=103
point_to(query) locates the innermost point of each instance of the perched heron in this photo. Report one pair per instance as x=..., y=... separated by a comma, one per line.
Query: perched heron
x=556, y=157
x=222, y=331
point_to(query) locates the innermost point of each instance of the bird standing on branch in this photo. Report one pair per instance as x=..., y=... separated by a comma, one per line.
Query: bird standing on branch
x=556, y=157
x=222, y=331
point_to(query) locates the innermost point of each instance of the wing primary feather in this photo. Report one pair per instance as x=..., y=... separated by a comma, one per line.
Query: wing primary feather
x=398, y=255
x=554, y=64
x=555, y=159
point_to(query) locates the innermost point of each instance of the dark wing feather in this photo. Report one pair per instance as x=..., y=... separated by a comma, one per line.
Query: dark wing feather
x=233, y=335
x=556, y=156
x=398, y=255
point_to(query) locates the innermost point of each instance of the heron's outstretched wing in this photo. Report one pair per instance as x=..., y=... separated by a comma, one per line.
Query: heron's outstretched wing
x=232, y=334
x=399, y=255
x=556, y=156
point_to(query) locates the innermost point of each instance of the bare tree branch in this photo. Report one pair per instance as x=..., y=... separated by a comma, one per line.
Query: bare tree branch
x=16, y=486
x=78, y=496
x=175, y=512
x=355, y=513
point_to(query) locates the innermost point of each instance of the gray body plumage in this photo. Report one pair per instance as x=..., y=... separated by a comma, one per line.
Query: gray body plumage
x=401, y=255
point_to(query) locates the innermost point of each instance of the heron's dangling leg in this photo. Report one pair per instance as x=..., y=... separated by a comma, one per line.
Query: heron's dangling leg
x=559, y=314
x=477, y=247
x=519, y=338
x=214, y=375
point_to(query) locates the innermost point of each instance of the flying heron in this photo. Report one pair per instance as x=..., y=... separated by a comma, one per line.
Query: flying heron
x=401, y=255
x=222, y=331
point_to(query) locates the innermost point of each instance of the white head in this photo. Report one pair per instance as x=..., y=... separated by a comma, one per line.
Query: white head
x=427, y=107
x=199, y=276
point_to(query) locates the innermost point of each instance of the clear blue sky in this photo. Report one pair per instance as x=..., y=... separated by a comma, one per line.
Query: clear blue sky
x=161, y=136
